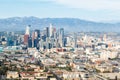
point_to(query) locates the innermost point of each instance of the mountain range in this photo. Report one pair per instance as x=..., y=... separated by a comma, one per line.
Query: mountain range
x=69, y=24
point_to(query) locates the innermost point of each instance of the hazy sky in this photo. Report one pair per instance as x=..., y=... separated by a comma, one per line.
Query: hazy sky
x=95, y=10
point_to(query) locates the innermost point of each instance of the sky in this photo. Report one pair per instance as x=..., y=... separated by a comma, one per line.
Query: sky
x=93, y=10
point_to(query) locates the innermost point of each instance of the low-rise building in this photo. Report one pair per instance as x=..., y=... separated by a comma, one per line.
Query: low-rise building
x=12, y=74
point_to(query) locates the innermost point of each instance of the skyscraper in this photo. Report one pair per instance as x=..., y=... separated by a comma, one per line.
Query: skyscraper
x=37, y=33
x=61, y=37
x=75, y=40
x=51, y=30
x=30, y=42
x=47, y=32
x=27, y=34
x=33, y=38
x=26, y=38
x=28, y=30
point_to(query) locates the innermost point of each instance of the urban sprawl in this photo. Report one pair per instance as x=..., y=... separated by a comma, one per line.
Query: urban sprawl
x=55, y=54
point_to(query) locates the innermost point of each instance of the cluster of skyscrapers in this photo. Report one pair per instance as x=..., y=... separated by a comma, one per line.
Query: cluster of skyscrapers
x=46, y=39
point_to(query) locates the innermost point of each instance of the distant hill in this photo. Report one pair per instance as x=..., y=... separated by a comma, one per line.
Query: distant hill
x=69, y=24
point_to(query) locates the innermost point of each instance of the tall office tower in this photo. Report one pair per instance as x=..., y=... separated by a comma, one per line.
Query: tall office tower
x=37, y=33
x=36, y=43
x=52, y=41
x=65, y=41
x=27, y=34
x=26, y=37
x=47, y=32
x=75, y=40
x=62, y=32
x=47, y=43
x=28, y=30
x=54, y=33
x=33, y=37
x=30, y=42
x=61, y=37
x=10, y=41
x=51, y=30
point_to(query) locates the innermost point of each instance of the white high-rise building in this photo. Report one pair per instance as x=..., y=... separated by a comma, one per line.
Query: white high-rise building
x=51, y=30
x=27, y=30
